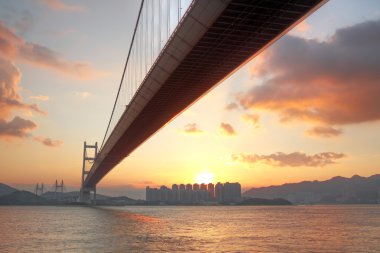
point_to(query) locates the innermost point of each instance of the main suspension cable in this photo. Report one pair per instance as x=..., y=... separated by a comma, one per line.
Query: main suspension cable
x=122, y=77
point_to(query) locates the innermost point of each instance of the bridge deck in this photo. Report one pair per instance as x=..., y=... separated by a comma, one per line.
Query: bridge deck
x=212, y=41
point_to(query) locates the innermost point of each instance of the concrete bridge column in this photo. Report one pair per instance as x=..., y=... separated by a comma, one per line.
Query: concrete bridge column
x=85, y=192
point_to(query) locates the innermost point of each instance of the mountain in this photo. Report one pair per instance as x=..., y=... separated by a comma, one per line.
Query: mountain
x=22, y=198
x=263, y=202
x=5, y=189
x=354, y=190
x=74, y=195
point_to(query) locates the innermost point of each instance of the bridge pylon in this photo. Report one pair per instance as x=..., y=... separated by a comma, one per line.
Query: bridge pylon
x=85, y=192
x=39, y=190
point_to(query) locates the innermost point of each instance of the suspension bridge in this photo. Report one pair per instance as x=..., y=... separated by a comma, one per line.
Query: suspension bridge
x=179, y=51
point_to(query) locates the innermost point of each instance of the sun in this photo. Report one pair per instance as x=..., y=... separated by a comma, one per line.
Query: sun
x=204, y=178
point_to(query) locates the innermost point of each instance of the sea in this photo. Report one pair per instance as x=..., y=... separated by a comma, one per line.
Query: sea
x=330, y=228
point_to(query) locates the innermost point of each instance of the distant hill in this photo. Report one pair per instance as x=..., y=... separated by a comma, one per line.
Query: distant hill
x=6, y=189
x=354, y=190
x=263, y=202
x=22, y=198
x=70, y=197
x=12, y=196
x=73, y=195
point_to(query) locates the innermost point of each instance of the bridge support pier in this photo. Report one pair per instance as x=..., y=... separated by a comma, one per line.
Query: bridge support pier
x=85, y=192
x=86, y=196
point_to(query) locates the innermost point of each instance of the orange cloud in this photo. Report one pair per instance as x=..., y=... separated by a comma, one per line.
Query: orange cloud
x=192, y=128
x=232, y=106
x=16, y=128
x=14, y=47
x=227, y=129
x=60, y=6
x=295, y=159
x=253, y=119
x=324, y=131
x=48, y=142
x=335, y=82
x=10, y=99
x=40, y=97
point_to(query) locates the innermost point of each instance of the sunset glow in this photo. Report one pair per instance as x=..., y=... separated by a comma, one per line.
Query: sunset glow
x=204, y=178
x=291, y=114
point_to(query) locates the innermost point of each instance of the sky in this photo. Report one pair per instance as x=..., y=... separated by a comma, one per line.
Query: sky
x=307, y=108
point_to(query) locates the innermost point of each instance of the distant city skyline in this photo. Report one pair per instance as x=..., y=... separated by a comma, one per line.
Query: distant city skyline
x=195, y=193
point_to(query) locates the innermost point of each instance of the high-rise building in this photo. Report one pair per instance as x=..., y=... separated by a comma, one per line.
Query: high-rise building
x=175, y=193
x=195, y=187
x=211, y=191
x=219, y=192
x=164, y=193
x=204, y=186
x=181, y=193
x=231, y=192
x=188, y=196
x=148, y=194
x=203, y=195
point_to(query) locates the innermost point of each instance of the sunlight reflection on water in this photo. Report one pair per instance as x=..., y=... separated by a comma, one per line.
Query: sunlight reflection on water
x=202, y=229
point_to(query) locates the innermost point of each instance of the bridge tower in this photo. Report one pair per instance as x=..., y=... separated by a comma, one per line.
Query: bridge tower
x=85, y=193
x=58, y=187
x=39, y=190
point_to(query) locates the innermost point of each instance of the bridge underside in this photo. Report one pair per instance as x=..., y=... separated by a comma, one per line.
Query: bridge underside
x=241, y=31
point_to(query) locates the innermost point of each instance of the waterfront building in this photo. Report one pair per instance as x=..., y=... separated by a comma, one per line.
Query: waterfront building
x=175, y=193
x=231, y=192
x=219, y=192
x=211, y=191
x=203, y=195
x=224, y=193
x=181, y=193
x=148, y=195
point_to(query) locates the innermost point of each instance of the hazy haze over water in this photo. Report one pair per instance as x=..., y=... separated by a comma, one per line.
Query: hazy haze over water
x=203, y=229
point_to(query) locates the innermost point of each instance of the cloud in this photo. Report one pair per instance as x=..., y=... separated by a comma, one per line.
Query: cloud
x=295, y=159
x=48, y=142
x=83, y=94
x=40, y=97
x=192, y=128
x=227, y=129
x=253, y=119
x=36, y=108
x=43, y=56
x=14, y=47
x=232, y=106
x=58, y=5
x=324, y=131
x=17, y=127
x=334, y=82
x=10, y=99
